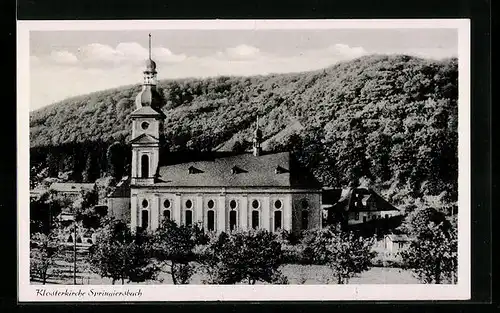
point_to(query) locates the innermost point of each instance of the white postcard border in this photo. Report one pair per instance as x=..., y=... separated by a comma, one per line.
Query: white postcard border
x=460, y=291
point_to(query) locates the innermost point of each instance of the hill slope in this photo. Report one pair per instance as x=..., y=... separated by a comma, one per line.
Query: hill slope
x=392, y=119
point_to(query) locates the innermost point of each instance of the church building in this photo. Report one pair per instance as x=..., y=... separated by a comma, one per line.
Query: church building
x=250, y=190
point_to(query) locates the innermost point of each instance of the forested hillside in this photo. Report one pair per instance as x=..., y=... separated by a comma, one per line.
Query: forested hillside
x=389, y=119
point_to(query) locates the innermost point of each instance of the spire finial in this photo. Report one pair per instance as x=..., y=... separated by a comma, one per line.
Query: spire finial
x=150, y=46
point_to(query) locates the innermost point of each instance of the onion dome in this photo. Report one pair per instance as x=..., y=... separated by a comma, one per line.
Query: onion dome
x=150, y=66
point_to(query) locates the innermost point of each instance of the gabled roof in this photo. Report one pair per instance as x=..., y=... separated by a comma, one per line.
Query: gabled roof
x=399, y=238
x=72, y=187
x=256, y=171
x=145, y=138
x=122, y=189
x=146, y=111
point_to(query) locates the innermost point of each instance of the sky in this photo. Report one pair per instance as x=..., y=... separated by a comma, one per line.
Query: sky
x=70, y=63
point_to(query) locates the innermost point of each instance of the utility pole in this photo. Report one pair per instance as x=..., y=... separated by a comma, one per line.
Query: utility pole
x=74, y=246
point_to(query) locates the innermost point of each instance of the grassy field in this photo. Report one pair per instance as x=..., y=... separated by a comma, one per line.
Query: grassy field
x=297, y=274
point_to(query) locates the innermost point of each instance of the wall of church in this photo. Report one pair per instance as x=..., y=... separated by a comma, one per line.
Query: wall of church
x=306, y=211
x=153, y=127
x=224, y=211
x=153, y=156
x=119, y=208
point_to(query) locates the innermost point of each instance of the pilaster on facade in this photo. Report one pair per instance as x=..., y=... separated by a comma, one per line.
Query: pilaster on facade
x=244, y=222
x=133, y=213
x=198, y=215
x=155, y=212
x=266, y=218
x=221, y=216
x=177, y=209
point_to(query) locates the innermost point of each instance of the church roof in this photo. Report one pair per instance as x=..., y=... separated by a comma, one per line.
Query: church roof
x=144, y=139
x=72, y=187
x=149, y=97
x=146, y=111
x=243, y=170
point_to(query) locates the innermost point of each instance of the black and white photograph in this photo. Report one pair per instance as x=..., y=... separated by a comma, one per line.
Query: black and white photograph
x=244, y=160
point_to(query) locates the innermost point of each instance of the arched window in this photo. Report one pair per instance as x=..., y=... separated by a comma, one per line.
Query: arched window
x=144, y=219
x=305, y=219
x=277, y=220
x=166, y=214
x=255, y=219
x=211, y=220
x=232, y=220
x=144, y=166
x=189, y=218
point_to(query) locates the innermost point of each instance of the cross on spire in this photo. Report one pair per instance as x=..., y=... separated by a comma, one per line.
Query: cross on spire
x=150, y=46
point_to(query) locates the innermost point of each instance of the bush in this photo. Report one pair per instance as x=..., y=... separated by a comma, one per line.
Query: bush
x=243, y=256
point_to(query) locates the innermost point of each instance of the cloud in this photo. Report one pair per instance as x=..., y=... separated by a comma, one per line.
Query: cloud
x=346, y=51
x=97, y=52
x=102, y=66
x=63, y=57
x=242, y=52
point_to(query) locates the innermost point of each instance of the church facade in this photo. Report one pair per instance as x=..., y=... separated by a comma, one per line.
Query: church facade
x=250, y=190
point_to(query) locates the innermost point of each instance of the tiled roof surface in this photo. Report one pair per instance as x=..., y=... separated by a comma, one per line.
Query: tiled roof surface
x=253, y=171
x=71, y=187
x=396, y=238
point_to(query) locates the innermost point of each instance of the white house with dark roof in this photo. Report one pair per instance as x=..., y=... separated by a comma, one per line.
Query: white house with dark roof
x=249, y=190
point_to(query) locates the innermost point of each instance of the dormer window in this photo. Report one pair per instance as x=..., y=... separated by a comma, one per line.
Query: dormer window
x=194, y=170
x=237, y=170
x=144, y=125
x=280, y=170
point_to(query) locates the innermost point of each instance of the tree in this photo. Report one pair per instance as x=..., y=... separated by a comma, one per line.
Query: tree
x=45, y=248
x=173, y=247
x=432, y=254
x=243, y=256
x=345, y=253
x=119, y=254
x=116, y=159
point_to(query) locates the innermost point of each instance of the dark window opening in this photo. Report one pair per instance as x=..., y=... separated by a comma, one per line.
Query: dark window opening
x=277, y=204
x=145, y=203
x=166, y=214
x=387, y=216
x=305, y=219
x=255, y=219
x=189, y=218
x=255, y=204
x=211, y=204
x=356, y=216
x=364, y=219
x=232, y=220
x=79, y=240
x=89, y=241
x=232, y=204
x=70, y=239
x=144, y=166
x=189, y=204
x=166, y=204
x=145, y=219
x=211, y=220
x=277, y=220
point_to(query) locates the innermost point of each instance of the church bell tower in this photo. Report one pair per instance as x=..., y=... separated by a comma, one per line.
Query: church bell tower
x=147, y=125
